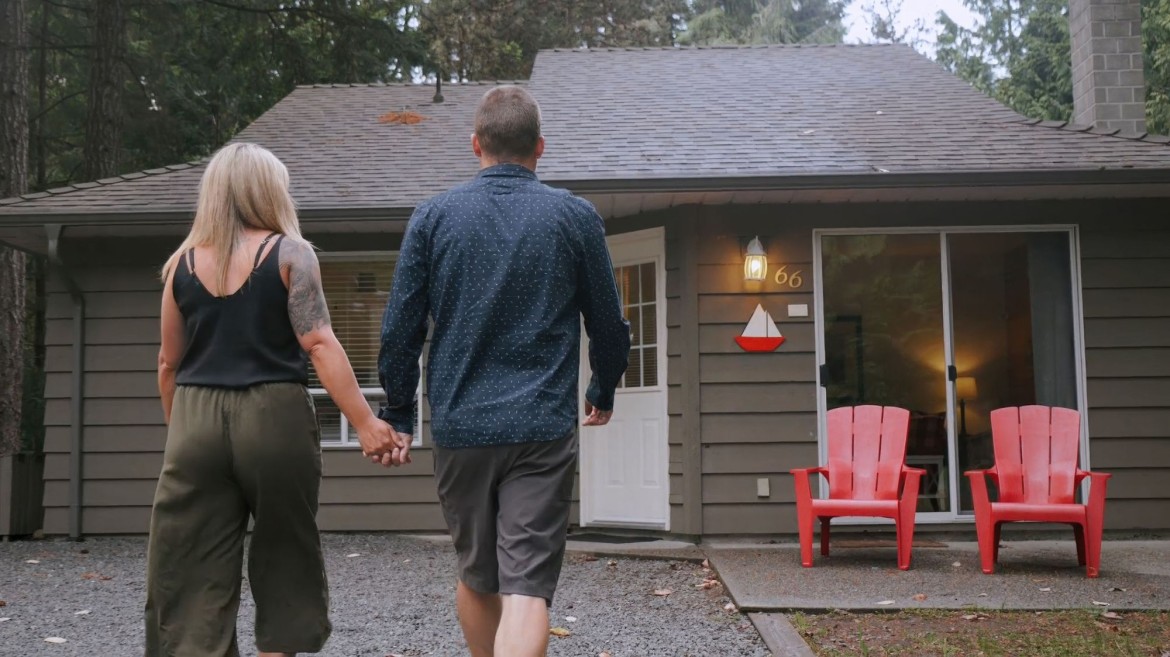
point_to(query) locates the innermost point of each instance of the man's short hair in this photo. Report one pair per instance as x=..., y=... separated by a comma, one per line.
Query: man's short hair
x=507, y=122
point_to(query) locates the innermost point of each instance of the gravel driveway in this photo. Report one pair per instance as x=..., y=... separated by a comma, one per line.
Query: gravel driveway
x=395, y=597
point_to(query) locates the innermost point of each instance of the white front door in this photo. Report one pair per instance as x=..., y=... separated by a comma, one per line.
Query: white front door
x=624, y=465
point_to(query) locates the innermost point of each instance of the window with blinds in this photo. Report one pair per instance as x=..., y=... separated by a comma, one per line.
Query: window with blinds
x=639, y=299
x=356, y=289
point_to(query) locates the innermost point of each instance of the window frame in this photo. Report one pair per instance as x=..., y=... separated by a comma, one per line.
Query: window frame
x=371, y=393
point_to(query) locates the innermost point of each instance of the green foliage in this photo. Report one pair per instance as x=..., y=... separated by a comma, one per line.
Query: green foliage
x=1018, y=53
x=1156, y=37
x=481, y=40
x=718, y=22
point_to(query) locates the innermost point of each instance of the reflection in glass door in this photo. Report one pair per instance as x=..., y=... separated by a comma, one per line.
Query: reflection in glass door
x=949, y=325
x=1011, y=299
x=884, y=340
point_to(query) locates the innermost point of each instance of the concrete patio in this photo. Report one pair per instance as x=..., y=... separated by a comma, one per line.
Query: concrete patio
x=862, y=575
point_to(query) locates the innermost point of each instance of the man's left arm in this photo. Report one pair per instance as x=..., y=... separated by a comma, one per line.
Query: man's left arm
x=404, y=327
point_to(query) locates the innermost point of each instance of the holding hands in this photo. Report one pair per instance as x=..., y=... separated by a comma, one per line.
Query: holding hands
x=382, y=444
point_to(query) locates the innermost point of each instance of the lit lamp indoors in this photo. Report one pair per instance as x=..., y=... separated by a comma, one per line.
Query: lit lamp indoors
x=755, y=262
x=965, y=389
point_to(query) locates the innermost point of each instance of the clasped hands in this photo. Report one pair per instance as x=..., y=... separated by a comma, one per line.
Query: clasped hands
x=383, y=445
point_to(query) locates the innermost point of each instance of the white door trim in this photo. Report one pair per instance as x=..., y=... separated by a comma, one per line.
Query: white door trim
x=625, y=249
x=1078, y=323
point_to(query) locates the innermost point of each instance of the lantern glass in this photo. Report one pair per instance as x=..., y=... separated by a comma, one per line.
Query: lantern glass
x=755, y=262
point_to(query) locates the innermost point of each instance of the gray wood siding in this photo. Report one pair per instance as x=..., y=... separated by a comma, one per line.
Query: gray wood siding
x=1125, y=274
x=757, y=411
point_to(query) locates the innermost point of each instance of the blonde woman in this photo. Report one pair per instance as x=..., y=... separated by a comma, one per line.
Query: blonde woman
x=242, y=306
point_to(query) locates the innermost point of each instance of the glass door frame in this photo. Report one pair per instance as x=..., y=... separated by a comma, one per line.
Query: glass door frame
x=1078, y=323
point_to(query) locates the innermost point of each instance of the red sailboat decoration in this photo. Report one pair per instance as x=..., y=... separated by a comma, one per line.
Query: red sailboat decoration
x=761, y=333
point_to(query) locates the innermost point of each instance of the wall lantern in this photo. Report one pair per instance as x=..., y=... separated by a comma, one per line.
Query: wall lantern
x=755, y=262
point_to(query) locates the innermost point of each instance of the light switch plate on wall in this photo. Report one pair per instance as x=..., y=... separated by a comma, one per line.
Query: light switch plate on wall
x=798, y=310
x=763, y=487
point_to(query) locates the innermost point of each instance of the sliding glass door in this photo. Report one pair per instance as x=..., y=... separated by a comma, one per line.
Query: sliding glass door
x=949, y=325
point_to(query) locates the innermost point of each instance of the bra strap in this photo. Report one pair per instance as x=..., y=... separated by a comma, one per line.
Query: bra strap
x=260, y=251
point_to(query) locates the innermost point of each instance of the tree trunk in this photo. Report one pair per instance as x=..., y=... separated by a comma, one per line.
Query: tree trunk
x=103, y=125
x=13, y=181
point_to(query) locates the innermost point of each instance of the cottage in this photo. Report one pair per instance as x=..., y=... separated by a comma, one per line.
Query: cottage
x=925, y=247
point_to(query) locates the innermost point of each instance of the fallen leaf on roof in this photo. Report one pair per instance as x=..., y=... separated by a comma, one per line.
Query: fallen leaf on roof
x=3, y=604
x=1102, y=604
x=957, y=565
x=1047, y=589
x=1117, y=588
x=981, y=595
x=662, y=593
x=920, y=597
x=730, y=606
x=612, y=563
x=83, y=612
x=590, y=557
x=706, y=564
x=404, y=117
x=708, y=584
x=560, y=632
x=5, y=620
x=350, y=556
x=32, y=561
x=606, y=654
x=886, y=603
x=55, y=639
x=570, y=619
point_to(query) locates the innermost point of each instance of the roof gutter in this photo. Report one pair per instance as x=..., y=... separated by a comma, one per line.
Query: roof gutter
x=855, y=179
x=76, y=400
x=869, y=180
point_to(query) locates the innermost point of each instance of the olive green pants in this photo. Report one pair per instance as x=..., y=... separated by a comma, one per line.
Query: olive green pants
x=232, y=454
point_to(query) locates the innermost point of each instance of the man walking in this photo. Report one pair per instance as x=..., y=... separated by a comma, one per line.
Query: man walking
x=506, y=267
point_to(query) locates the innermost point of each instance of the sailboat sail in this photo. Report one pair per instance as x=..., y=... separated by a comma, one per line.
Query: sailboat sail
x=761, y=333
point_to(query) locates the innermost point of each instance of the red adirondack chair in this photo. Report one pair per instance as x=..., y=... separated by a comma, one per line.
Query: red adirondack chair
x=1037, y=475
x=867, y=476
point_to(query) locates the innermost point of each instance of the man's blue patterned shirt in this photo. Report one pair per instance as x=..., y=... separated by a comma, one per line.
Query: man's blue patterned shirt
x=505, y=266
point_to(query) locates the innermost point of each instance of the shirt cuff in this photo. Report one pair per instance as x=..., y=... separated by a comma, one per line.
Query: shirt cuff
x=401, y=419
x=602, y=400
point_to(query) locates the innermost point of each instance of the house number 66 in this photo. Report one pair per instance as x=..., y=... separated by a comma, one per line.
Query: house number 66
x=791, y=280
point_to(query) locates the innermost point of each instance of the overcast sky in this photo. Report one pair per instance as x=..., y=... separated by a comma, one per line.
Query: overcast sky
x=926, y=10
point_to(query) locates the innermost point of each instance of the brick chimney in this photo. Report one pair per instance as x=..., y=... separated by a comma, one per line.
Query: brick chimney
x=1109, y=89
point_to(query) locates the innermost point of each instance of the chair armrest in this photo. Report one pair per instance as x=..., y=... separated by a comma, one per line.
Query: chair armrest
x=803, y=484
x=1097, y=483
x=979, y=495
x=810, y=471
x=1093, y=476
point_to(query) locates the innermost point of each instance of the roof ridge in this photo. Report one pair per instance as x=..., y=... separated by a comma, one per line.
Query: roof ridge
x=103, y=182
x=1069, y=126
x=377, y=85
x=728, y=46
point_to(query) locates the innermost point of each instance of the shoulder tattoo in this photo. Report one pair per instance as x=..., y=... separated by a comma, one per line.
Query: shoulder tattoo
x=307, y=309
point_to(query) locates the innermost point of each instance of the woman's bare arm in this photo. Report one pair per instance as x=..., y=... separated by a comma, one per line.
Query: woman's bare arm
x=173, y=344
x=310, y=321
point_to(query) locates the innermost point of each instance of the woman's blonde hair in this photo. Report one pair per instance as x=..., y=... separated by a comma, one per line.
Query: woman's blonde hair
x=244, y=186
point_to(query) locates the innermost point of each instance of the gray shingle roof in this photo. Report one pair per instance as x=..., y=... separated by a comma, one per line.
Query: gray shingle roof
x=338, y=153
x=648, y=114
x=776, y=111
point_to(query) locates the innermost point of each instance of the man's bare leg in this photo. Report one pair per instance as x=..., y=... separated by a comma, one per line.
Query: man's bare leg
x=523, y=627
x=479, y=615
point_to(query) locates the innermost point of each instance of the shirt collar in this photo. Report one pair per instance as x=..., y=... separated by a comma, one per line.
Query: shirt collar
x=507, y=170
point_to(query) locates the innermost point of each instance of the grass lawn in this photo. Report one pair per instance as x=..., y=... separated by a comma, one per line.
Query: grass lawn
x=973, y=633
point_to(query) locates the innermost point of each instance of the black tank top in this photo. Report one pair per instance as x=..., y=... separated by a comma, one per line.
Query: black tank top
x=244, y=338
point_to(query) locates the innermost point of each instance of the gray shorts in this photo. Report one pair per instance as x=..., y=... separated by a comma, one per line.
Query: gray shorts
x=508, y=511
